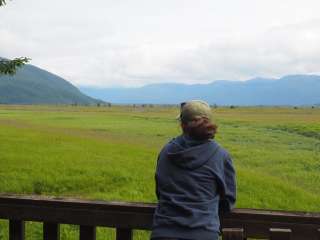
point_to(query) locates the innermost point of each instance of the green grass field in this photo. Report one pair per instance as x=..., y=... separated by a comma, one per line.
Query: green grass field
x=110, y=154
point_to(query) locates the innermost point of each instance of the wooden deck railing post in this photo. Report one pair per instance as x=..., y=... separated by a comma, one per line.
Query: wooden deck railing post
x=16, y=230
x=232, y=234
x=87, y=233
x=280, y=234
x=51, y=231
x=124, y=234
x=126, y=217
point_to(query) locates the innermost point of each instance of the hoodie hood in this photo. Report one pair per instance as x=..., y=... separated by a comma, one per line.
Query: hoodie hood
x=188, y=153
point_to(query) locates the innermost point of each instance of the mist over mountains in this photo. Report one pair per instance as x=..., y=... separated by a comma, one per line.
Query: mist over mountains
x=288, y=90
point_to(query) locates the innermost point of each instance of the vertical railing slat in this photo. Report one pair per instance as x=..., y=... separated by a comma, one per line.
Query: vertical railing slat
x=232, y=234
x=124, y=234
x=51, y=231
x=16, y=230
x=87, y=232
x=280, y=234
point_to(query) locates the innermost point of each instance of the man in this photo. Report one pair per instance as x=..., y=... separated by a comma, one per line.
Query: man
x=195, y=180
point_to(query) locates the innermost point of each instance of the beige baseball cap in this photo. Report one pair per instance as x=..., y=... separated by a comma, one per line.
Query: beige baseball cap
x=194, y=108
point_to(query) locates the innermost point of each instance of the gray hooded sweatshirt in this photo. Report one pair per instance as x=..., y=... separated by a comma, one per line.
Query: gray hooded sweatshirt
x=195, y=180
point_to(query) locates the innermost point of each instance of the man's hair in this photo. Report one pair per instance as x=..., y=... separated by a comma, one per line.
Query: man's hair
x=200, y=129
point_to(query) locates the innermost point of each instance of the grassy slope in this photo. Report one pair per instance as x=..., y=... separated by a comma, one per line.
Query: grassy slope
x=110, y=153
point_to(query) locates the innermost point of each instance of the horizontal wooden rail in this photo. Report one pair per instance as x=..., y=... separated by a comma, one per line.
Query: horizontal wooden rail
x=128, y=216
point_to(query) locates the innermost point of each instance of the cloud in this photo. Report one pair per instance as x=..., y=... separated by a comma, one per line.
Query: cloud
x=284, y=50
x=132, y=43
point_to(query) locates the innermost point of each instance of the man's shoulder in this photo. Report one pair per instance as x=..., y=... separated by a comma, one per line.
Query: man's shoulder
x=168, y=145
x=221, y=150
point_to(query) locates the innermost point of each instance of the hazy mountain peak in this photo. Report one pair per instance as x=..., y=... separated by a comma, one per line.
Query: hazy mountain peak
x=288, y=90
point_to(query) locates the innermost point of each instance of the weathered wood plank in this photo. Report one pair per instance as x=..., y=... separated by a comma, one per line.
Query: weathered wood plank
x=124, y=234
x=280, y=234
x=232, y=234
x=139, y=216
x=78, y=212
x=51, y=231
x=87, y=232
x=16, y=230
x=274, y=216
x=260, y=229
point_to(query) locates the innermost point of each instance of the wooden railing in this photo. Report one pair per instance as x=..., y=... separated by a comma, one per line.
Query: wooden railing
x=239, y=224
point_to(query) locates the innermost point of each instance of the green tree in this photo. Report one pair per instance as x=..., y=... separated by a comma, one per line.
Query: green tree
x=10, y=66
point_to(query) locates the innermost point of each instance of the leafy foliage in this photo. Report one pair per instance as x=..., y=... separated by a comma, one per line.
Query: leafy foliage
x=10, y=66
x=2, y=2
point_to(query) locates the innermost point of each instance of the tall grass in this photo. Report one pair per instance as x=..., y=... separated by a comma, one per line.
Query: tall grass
x=110, y=154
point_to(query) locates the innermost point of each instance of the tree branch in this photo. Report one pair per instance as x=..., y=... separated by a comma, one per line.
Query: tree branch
x=2, y=2
x=10, y=66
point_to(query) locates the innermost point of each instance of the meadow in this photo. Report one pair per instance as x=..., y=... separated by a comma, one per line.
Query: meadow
x=109, y=153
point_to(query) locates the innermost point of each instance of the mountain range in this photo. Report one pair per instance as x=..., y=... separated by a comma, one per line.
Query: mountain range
x=32, y=85
x=288, y=90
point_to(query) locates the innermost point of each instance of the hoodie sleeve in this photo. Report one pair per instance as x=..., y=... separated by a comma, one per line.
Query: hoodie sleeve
x=228, y=197
x=156, y=185
x=156, y=179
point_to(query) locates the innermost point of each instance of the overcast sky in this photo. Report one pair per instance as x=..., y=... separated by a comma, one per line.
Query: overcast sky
x=137, y=42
